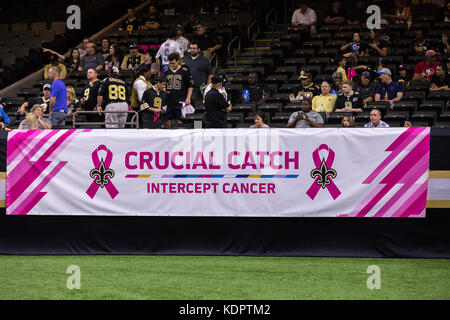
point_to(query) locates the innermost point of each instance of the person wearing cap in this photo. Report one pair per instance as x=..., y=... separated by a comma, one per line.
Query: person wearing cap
x=222, y=90
x=55, y=63
x=200, y=69
x=183, y=42
x=305, y=118
x=44, y=101
x=441, y=80
x=168, y=47
x=326, y=101
x=388, y=90
x=91, y=60
x=375, y=120
x=403, y=76
x=366, y=88
x=133, y=59
x=58, y=98
x=306, y=90
x=425, y=70
x=216, y=106
x=348, y=100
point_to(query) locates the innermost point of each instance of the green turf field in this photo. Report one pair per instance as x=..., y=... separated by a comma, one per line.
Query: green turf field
x=176, y=277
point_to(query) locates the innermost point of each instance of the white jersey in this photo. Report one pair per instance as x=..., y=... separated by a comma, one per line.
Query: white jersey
x=168, y=47
x=183, y=43
x=222, y=91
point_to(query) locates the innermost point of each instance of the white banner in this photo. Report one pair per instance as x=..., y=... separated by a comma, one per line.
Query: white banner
x=219, y=172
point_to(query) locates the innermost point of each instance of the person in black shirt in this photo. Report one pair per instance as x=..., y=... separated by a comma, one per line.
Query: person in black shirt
x=306, y=90
x=336, y=15
x=258, y=92
x=441, y=80
x=152, y=21
x=215, y=105
x=207, y=43
x=131, y=23
x=154, y=100
x=44, y=101
x=191, y=26
x=377, y=46
x=403, y=76
x=90, y=95
x=348, y=100
x=113, y=94
x=179, y=89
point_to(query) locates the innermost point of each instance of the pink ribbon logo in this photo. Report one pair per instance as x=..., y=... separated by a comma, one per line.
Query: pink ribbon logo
x=323, y=174
x=102, y=173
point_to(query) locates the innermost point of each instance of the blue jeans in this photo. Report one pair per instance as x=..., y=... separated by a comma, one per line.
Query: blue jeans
x=58, y=118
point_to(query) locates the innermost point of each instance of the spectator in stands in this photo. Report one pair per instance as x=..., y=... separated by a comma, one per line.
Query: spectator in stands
x=377, y=46
x=366, y=89
x=305, y=118
x=206, y=41
x=113, y=94
x=443, y=47
x=114, y=59
x=58, y=98
x=149, y=61
x=43, y=101
x=140, y=84
x=222, y=90
x=447, y=13
x=90, y=94
x=4, y=116
x=388, y=90
x=105, y=49
x=168, y=47
x=152, y=21
x=348, y=121
x=358, y=14
x=131, y=23
x=73, y=104
x=441, y=80
x=348, y=100
x=258, y=92
x=55, y=63
x=425, y=70
x=307, y=89
x=336, y=88
x=35, y=119
x=91, y=60
x=201, y=71
x=342, y=62
x=408, y=124
x=191, y=26
x=52, y=52
x=326, y=101
x=354, y=49
x=83, y=48
x=375, y=120
x=216, y=106
x=304, y=16
x=182, y=40
x=74, y=60
x=336, y=15
x=154, y=102
x=421, y=44
x=133, y=59
x=402, y=14
x=403, y=76
x=259, y=120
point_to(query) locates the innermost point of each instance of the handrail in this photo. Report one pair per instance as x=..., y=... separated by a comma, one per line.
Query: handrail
x=268, y=15
x=255, y=34
x=133, y=122
x=235, y=51
x=216, y=62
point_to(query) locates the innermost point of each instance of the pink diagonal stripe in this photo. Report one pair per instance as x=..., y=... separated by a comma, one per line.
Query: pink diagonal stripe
x=36, y=195
x=18, y=143
x=418, y=203
x=396, y=147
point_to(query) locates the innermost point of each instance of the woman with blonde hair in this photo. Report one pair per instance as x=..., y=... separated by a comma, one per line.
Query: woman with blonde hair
x=35, y=120
x=73, y=104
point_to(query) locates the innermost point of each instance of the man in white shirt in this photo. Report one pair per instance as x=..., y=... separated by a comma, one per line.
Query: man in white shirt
x=182, y=40
x=375, y=120
x=304, y=16
x=168, y=47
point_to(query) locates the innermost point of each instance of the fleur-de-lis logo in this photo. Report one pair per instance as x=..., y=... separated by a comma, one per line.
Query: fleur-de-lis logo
x=323, y=174
x=101, y=173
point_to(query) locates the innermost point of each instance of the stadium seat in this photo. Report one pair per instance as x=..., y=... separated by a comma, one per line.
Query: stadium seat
x=408, y=106
x=414, y=95
x=292, y=107
x=424, y=116
x=281, y=117
x=444, y=116
x=431, y=105
x=35, y=27
x=270, y=107
x=18, y=27
x=397, y=117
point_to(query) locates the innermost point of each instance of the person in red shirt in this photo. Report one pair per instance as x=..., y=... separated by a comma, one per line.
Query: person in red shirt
x=425, y=70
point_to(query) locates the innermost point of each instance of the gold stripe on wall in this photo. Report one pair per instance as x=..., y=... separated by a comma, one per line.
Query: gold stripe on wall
x=2, y=175
x=2, y=203
x=438, y=203
x=439, y=174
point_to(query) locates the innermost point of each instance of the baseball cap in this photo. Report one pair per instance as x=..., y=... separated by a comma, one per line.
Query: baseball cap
x=216, y=79
x=385, y=70
x=365, y=74
x=46, y=86
x=133, y=46
x=222, y=76
x=179, y=26
x=402, y=67
x=309, y=100
x=304, y=75
x=430, y=53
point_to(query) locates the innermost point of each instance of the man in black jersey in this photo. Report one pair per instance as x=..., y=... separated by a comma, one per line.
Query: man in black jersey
x=113, y=94
x=153, y=103
x=90, y=94
x=179, y=89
